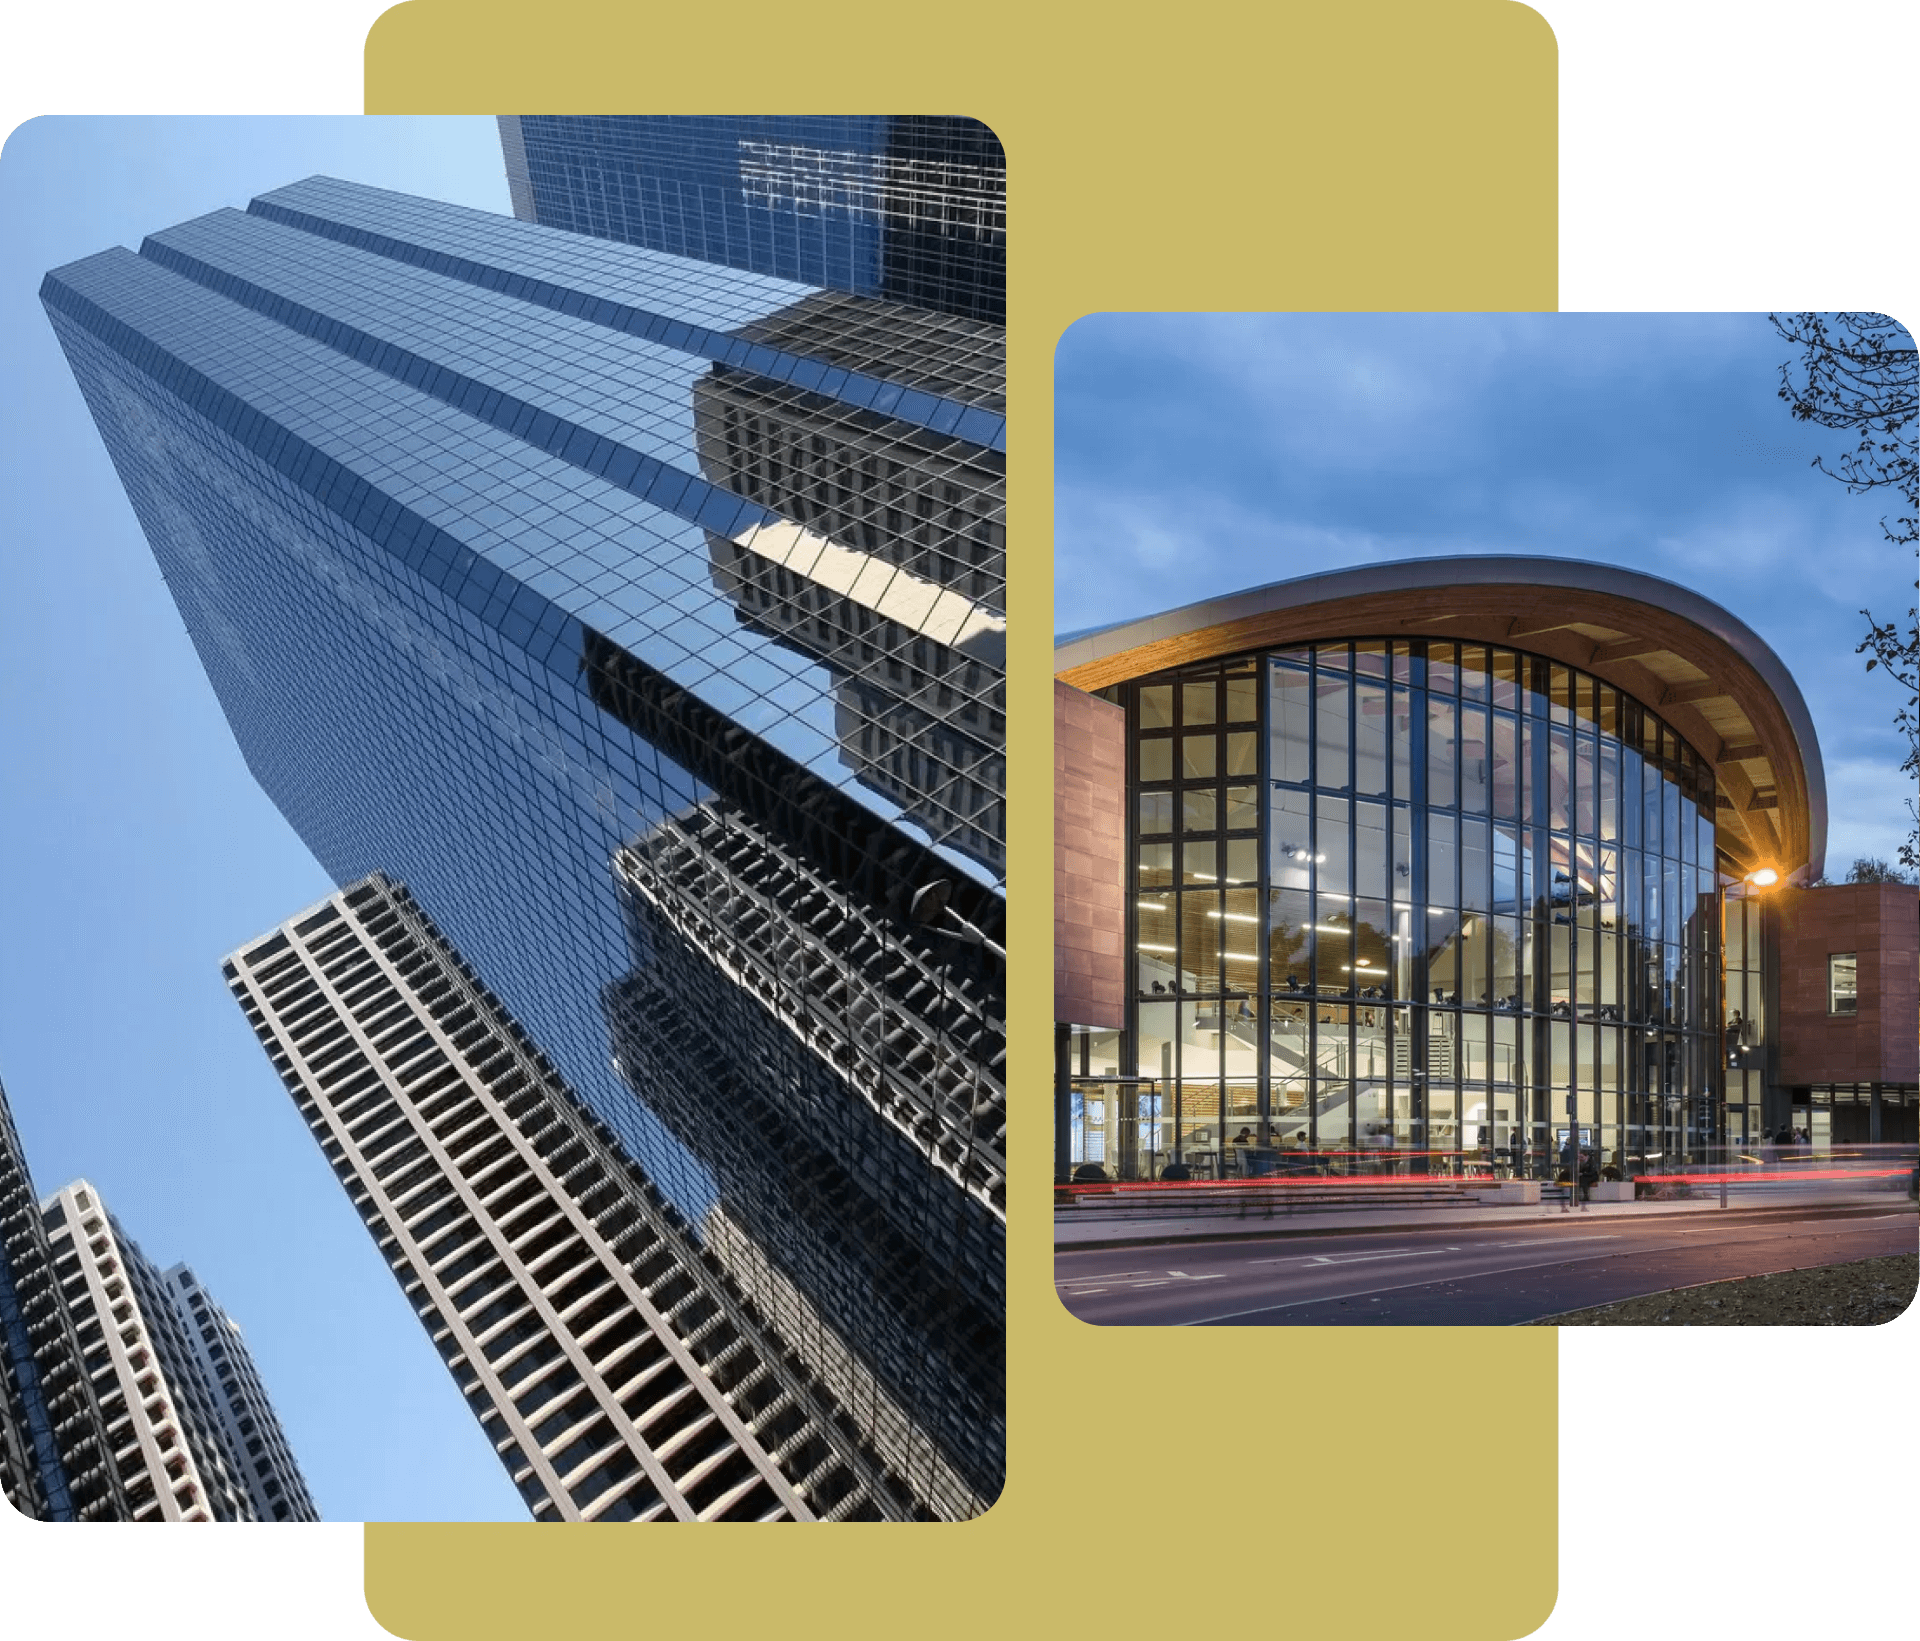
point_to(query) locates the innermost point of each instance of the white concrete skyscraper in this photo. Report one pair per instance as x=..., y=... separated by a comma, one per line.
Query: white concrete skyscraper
x=255, y=1442
x=618, y=1373
x=166, y=1419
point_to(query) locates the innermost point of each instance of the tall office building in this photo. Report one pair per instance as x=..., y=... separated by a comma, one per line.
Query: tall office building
x=744, y=953
x=895, y=571
x=909, y=207
x=163, y=1415
x=125, y=1394
x=55, y=1457
x=431, y=490
x=617, y=1372
x=257, y=1449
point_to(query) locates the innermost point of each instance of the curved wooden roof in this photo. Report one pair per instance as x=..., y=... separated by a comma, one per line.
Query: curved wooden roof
x=1683, y=657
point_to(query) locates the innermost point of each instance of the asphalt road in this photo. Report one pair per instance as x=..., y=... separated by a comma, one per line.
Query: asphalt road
x=1496, y=1276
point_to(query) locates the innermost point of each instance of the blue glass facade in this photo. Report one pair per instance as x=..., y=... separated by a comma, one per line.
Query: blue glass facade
x=55, y=1454
x=488, y=611
x=909, y=207
x=33, y=1474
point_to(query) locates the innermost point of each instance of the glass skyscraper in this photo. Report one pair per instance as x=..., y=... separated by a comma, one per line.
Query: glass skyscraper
x=56, y=1460
x=909, y=207
x=582, y=586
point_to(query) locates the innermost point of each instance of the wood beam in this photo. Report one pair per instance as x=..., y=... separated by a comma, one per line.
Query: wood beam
x=1730, y=828
x=1503, y=612
x=1681, y=694
x=1757, y=823
x=1518, y=627
x=1625, y=649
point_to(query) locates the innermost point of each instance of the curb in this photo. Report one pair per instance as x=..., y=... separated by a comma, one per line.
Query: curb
x=1270, y=1233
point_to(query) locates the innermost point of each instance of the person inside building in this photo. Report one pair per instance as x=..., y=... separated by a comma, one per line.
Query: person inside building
x=1234, y=1159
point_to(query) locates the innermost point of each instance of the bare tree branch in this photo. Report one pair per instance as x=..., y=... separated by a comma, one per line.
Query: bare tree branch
x=1859, y=373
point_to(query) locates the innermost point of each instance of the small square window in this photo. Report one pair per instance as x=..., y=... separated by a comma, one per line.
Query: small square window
x=1843, y=983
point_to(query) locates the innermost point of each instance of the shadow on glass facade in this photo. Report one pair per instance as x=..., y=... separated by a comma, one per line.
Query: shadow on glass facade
x=896, y=575
x=532, y=568
x=1407, y=904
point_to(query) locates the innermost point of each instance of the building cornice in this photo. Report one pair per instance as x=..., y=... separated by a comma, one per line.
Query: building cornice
x=1683, y=657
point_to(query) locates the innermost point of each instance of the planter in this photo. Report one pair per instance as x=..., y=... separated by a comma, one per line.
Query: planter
x=1611, y=1191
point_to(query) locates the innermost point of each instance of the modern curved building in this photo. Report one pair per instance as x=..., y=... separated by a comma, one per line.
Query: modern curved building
x=1440, y=856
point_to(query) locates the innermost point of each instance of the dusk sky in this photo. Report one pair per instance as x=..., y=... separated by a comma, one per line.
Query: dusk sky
x=1202, y=454
x=136, y=850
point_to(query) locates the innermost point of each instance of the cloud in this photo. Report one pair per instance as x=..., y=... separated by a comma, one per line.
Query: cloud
x=1866, y=813
x=1201, y=454
x=1122, y=553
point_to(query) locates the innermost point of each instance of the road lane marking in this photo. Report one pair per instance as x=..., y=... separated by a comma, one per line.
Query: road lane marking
x=1350, y=1259
x=1450, y=1248
x=1132, y=1279
x=1359, y=1259
x=1363, y=1293
x=1554, y=1241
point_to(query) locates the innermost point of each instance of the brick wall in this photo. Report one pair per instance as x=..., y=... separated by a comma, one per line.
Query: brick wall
x=1880, y=922
x=1089, y=866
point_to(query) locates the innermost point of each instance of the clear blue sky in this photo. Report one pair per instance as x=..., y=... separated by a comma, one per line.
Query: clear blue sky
x=136, y=850
x=1201, y=454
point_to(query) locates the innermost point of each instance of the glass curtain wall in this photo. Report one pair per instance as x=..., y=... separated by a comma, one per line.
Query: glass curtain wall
x=1744, y=1008
x=1409, y=904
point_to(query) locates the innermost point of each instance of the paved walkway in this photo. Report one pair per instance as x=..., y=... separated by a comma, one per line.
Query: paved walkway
x=1091, y=1226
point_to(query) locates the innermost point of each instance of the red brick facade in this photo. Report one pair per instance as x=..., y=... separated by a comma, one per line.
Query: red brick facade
x=1089, y=858
x=1880, y=923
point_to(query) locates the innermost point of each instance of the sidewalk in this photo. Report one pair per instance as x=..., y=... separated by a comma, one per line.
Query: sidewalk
x=1084, y=1226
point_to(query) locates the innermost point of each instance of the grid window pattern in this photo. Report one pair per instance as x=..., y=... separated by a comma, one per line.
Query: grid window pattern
x=900, y=1014
x=168, y=1448
x=55, y=1458
x=257, y=1449
x=1413, y=896
x=618, y=1373
x=910, y=207
x=505, y=549
x=1745, y=1027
